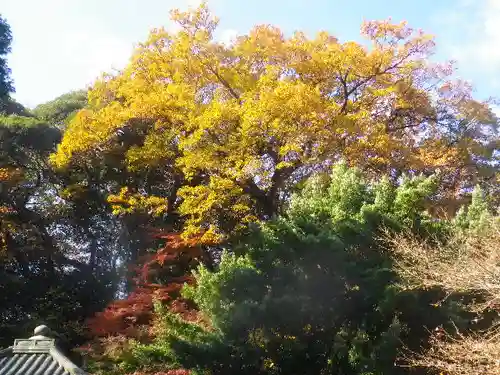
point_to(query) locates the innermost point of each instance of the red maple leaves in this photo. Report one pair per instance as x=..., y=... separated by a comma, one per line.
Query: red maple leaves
x=159, y=277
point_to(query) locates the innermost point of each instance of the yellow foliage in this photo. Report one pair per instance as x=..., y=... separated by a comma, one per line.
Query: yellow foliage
x=246, y=116
x=202, y=204
x=72, y=191
x=126, y=202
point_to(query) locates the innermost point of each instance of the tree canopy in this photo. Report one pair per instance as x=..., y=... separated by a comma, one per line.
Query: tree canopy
x=227, y=129
x=280, y=204
x=63, y=108
x=6, y=85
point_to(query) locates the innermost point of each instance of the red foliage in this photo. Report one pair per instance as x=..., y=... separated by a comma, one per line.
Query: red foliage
x=127, y=316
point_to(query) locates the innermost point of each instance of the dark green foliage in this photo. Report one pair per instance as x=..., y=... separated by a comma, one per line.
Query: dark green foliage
x=312, y=292
x=61, y=110
x=11, y=107
x=477, y=215
x=63, y=253
x=6, y=86
x=44, y=276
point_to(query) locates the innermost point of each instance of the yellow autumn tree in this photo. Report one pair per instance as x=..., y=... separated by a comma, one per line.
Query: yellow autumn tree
x=227, y=128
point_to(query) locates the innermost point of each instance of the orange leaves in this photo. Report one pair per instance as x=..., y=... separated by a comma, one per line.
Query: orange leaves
x=130, y=317
x=127, y=316
x=5, y=210
x=11, y=176
x=8, y=173
x=123, y=316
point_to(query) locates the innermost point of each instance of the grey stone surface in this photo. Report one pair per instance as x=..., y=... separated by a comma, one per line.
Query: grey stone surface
x=37, y=355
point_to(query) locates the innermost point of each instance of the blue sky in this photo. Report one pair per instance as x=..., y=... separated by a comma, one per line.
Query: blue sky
x=61, y=45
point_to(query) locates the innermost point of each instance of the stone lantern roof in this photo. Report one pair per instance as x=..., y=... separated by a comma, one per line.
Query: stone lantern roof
x=37, y=355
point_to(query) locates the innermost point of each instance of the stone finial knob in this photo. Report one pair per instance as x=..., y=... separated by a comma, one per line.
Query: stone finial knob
x=42, y=330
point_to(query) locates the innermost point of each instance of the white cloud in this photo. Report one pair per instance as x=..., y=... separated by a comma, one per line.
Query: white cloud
x=228, y=36
x=479, y=44
x=62, y=45
x=468, y=32
x=496, y=109
x=193, y=3
x=92, y=54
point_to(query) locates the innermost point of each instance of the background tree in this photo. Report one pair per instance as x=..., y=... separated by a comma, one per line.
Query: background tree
x=41, y=279
x=60, y=243
x=62, y=109
x=6, y=86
